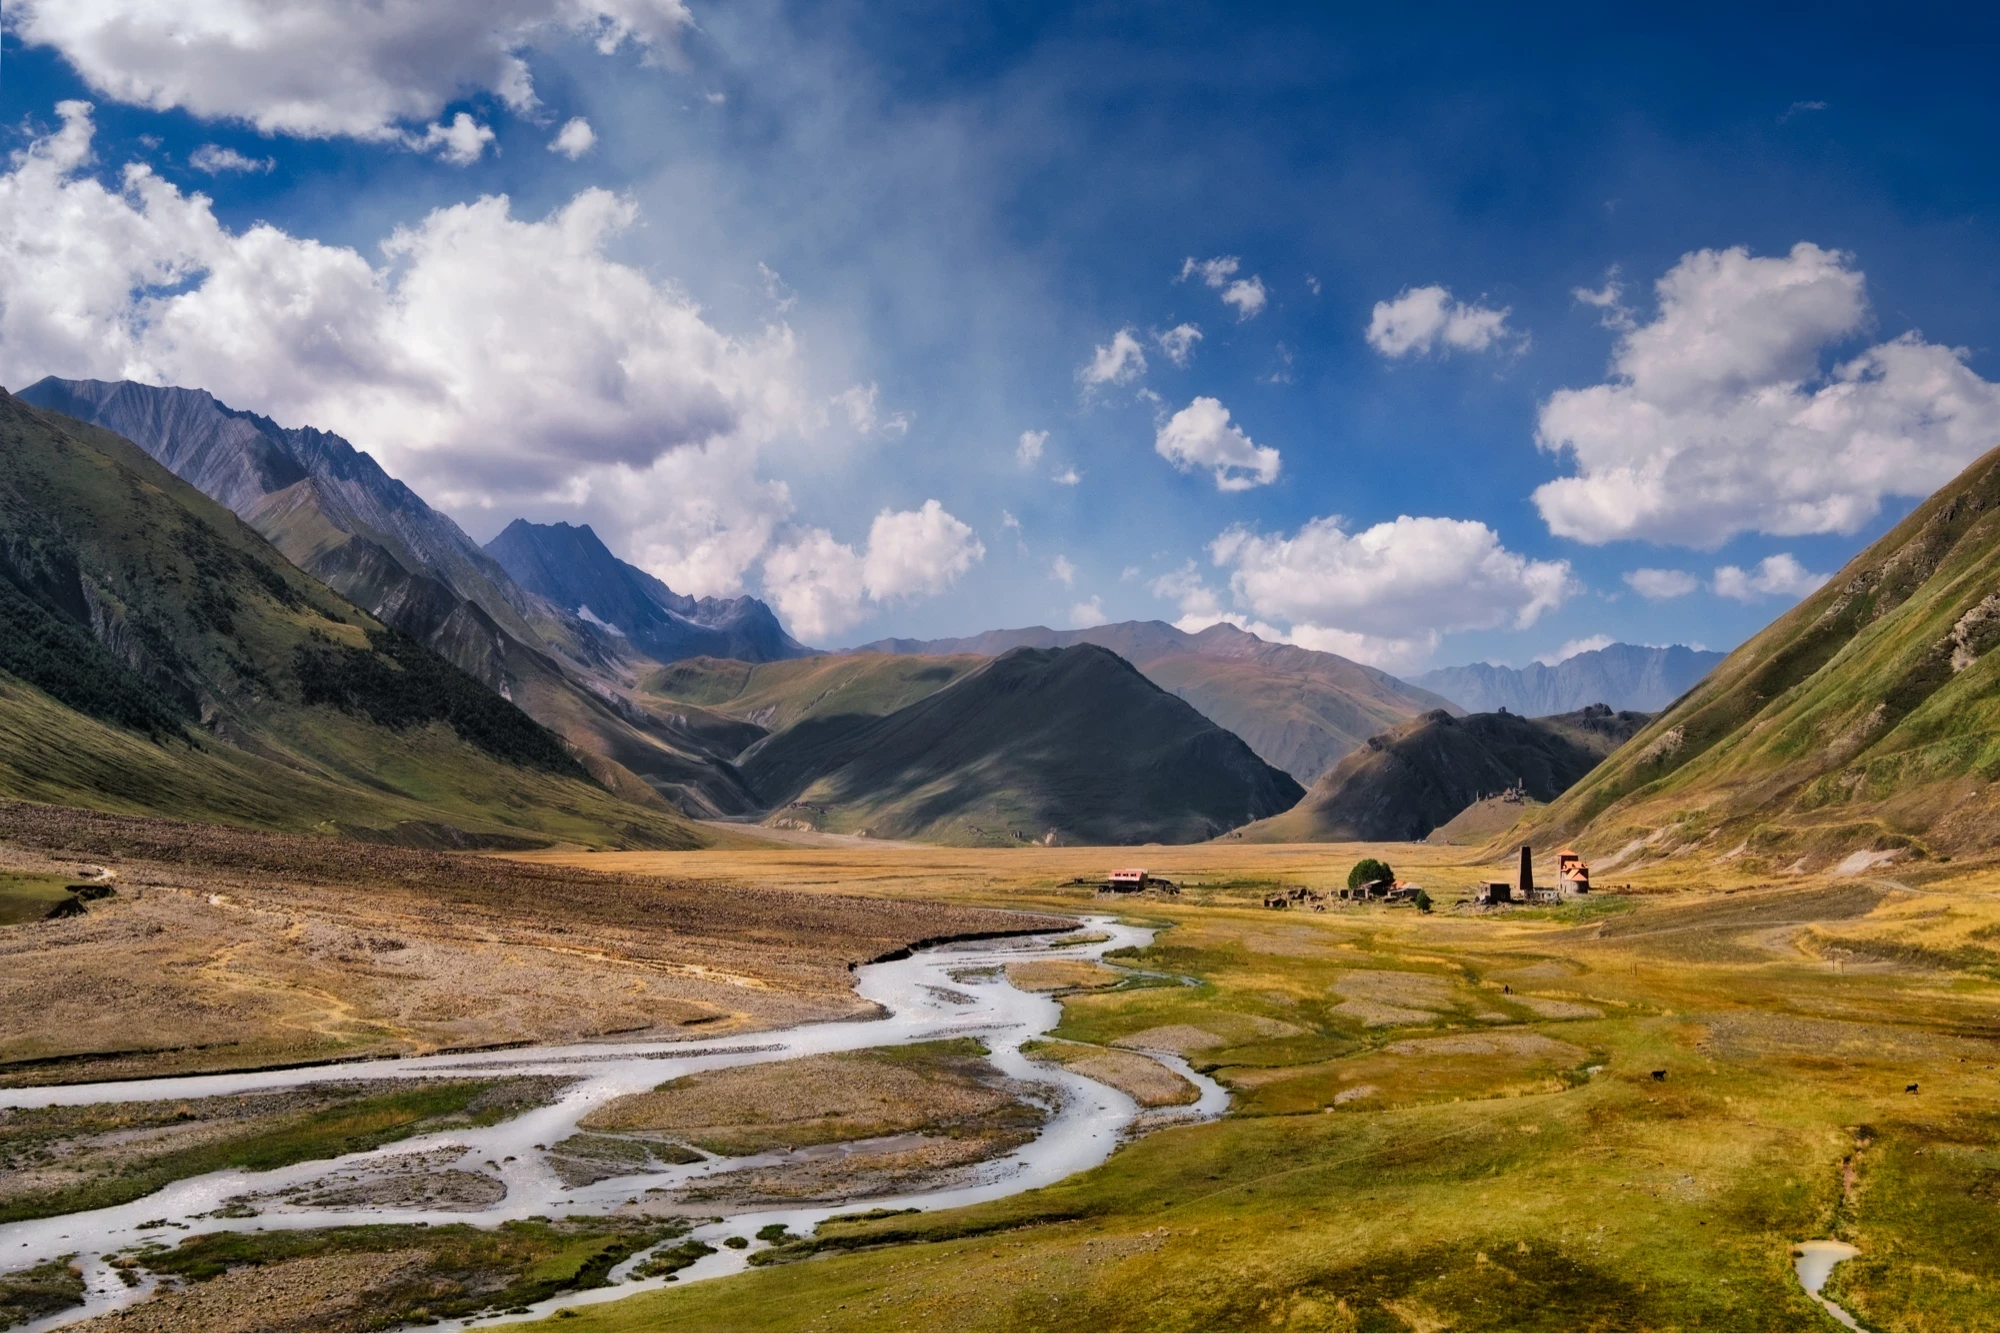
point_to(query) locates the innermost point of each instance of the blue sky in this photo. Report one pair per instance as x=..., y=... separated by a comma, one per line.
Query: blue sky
x=779, y=320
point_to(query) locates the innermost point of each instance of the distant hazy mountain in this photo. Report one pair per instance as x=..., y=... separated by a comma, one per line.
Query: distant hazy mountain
x=1625, y=676
x=1298, y=709
x=1072, y=743
x=334, y=512
x=570, y=567
x=1407, y=782
x=158, y=656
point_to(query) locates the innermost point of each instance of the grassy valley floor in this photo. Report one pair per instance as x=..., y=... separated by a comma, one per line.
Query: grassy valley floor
x=1619, y=1113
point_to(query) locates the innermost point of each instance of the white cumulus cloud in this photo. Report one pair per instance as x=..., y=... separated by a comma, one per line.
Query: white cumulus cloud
x=1659, y=585
x=1721, y=415
x=1246, y=295
x=493, y=361
x=821, y=586
x=1211, y=272
x=1029, y=448
x=1201, y=435
x=1120, y=361
x=1774, y=576
x=1423, y=319
x=1067, y=477
x=918, y=553
x=328, y=68
x=1389, y=593
x=1063, y=572
x=576, y=138
x=461, y=143
x=1178, y=342
x=816, y=584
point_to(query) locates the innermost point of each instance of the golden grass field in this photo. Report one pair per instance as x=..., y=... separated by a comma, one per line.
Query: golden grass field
x=1453, y=1120
x=221, y=948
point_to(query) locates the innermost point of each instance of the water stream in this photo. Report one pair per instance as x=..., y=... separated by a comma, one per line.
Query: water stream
x=949, y=991
x=1814, y=1265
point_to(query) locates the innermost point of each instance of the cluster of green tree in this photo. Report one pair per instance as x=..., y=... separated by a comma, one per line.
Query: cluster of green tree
x=1367, y=871
x=399, y=683
x=56, y=655
x=1371, y=870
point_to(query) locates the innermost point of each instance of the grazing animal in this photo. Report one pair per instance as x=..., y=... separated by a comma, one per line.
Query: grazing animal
x=1911, y=1089
x=1660, y=1075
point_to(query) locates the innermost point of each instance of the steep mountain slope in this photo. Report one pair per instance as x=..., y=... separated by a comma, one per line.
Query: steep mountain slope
x=1625, y=676
x=158, y=656
x=1298, y=709
x=1072, y=745
x=336, y=514
x=1866, y=718
x=1407, y=782
x=572, y=568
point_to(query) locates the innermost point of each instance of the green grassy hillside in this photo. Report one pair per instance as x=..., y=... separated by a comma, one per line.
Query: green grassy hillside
x=160, y=657
x=1070, y=745
x=775, y=695
x=1866, y=719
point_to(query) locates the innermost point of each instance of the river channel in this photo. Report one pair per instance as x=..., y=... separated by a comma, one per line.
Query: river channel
x=948, y=991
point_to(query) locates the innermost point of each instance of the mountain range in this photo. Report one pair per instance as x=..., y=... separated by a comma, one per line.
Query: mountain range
x=1641, y=677
x=544, y=654
x=159, y=656
x=1414, y=778
x=1299, y=709
x=1865, y=722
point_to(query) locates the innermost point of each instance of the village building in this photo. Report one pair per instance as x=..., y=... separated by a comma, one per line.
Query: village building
x=1572, y=877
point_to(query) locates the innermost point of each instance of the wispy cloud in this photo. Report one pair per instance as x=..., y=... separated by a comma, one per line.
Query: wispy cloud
x=215, y=159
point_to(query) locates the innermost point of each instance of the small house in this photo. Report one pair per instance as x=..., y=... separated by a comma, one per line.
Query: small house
x=1572, y=872
x=1126, y=880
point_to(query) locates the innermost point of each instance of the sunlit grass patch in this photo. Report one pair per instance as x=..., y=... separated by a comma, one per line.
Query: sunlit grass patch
x=945, y=1087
